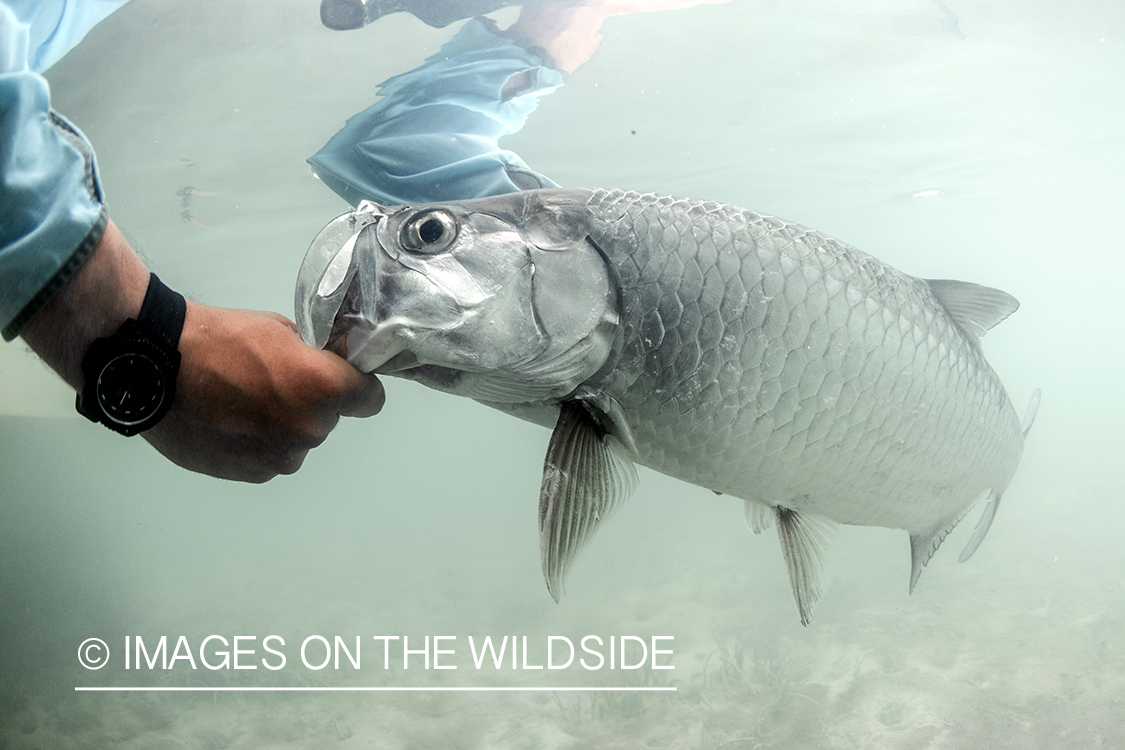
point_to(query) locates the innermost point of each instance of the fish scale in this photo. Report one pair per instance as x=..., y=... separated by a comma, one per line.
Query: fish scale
x=847, y=343
x=733, y=350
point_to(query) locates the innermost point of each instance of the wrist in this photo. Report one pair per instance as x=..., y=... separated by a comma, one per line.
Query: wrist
x=106, y=291
x=129, y=378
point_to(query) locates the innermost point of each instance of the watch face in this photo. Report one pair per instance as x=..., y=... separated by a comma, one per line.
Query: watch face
x=130, y=388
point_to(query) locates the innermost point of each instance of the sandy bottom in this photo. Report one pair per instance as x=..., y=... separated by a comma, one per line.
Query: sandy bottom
x=1020, y=647
x=937, y=672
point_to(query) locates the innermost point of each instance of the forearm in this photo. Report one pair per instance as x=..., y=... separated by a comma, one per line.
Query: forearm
x=251, y=398
x=106, y=290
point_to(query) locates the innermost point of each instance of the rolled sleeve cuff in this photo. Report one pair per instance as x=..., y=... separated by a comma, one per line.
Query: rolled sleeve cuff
x=50, y=199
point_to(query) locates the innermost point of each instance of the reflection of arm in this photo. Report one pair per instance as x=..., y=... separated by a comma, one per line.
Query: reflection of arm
x=570, y=31
x=433, y=135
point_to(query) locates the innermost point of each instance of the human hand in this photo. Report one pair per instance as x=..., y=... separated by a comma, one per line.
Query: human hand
x=252, y=399
x=568, y=31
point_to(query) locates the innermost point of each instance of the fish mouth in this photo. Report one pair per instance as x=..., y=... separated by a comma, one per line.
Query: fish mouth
x=432, y=376
x=399, y=363
x=337, y=342
x=327, y=271
x=367, y=345
x=403, y=364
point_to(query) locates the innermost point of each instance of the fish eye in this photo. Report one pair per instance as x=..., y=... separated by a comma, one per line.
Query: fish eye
x=429, y=232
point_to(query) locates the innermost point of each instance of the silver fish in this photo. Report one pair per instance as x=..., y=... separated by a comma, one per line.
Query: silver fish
x=732, y=350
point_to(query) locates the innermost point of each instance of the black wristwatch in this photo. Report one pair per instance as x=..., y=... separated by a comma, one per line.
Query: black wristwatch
x=130, y=377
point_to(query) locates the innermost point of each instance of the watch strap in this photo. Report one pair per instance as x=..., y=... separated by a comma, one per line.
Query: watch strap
x=163, y=313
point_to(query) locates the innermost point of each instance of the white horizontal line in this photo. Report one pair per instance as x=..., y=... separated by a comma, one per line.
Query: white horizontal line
x=370, y=689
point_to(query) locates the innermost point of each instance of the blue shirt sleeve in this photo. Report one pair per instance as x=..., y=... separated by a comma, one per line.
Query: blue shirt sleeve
x=433, y=135
x=51, y=205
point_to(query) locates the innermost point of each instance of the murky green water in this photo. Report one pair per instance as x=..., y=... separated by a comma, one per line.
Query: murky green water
x=844, y=116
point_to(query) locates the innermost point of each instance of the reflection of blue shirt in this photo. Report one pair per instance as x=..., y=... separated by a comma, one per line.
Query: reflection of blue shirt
x=432, y=136
x=51, y=213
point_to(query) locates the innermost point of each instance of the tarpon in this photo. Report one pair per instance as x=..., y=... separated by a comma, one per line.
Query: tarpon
x=733, y=350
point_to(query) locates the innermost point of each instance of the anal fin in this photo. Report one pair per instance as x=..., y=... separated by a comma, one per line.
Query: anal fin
x=586, y=476
x=923, y=546
x=804, y=540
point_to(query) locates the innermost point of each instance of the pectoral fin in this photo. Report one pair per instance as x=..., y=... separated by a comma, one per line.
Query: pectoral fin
x=586, y=477
x=804, y=540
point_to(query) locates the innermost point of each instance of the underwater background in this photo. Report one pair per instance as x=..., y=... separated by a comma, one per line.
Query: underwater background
x=981, y=140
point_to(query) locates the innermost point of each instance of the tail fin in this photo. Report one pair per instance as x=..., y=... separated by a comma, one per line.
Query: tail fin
x=993, y=499
x=1029, y=415
x=982, y=527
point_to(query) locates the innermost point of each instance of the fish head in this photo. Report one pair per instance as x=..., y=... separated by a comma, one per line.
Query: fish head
x=500, y=299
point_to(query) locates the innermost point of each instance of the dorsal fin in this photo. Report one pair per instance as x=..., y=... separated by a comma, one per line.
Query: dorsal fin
x=976, y=309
